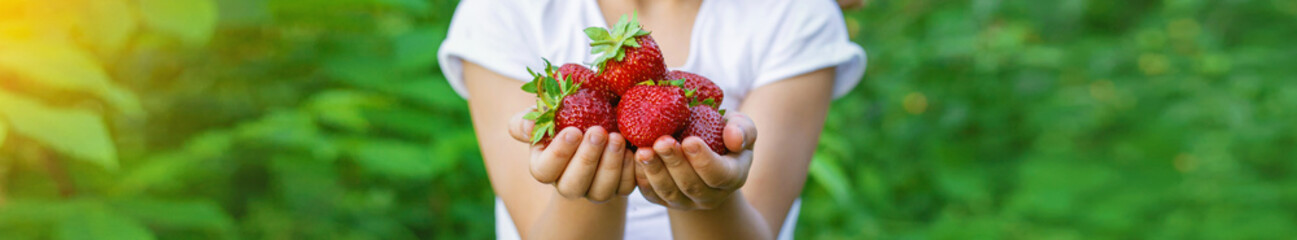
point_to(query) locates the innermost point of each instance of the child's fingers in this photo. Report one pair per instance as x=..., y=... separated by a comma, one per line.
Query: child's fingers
x=520, y=128
x=549, y=165
x=660, y=179
x=627, y=173
x=714, y=170
x=577, y=178
x=740, y=132
x=646, y=189
x=684, y=176
x=607, y=179
x=741, y=165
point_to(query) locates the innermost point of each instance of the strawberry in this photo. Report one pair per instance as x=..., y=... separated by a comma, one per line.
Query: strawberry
x=587, y=108
x=581, y=75
x=627, y=55
x=563, y=103
x=705, y=88
x=708, y=124
x=651, y=110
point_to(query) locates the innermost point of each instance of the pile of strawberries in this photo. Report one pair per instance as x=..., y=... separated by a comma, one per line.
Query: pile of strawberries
x=632, y=93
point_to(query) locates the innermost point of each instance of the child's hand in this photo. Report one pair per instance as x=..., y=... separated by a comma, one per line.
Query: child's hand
x=691, y=176
x=594, y=165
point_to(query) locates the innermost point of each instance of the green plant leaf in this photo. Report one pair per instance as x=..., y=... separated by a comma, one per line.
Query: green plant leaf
x=4, y=131
x=343, y=107
x=429, y=90
x=408, y=121
x=829, y=174
x=366, y=71
x=393, y=158
x=295, y=128
x=39, y=211
x=98, y=223
x=64, y=67
x=193, y=21
x=77, y=133
x=203, y=215
x=109, y=22
x=159, y=173
x=415, y=7
x=417, y=49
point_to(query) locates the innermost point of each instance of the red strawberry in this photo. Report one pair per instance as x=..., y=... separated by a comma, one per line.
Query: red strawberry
x=649, y=111
x=587, y=108
x=627, y=55
x=582, y=75
x=561, y=104
x=706, y=123
x=705, y=88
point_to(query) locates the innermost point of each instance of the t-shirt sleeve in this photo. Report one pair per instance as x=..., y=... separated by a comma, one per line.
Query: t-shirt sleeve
x=810, y=36
x=491, y=34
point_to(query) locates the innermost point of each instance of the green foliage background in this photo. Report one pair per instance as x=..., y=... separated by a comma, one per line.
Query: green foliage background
x=1069, y=119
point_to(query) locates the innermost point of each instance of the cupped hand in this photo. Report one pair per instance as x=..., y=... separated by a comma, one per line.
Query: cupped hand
x=594, y=165
x=688, y=175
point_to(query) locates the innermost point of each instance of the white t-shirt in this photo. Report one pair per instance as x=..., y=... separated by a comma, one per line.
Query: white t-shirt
x=738, y=44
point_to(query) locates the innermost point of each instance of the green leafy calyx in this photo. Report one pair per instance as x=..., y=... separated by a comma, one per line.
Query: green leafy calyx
x=677, y=83
x=549, y=97
x=608, y=45
x=692, y=95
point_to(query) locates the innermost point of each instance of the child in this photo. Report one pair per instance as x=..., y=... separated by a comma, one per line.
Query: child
x=779, y=63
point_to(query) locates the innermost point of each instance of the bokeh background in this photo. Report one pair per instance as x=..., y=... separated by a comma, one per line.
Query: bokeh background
x=329, y=119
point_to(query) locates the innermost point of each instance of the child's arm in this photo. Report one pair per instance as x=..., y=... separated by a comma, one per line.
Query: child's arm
x=700, y=187
x=538, y=209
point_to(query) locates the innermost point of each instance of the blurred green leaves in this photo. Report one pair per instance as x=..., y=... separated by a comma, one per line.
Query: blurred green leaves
x=231, y=119
x=124, y=219
x=64, y=68
x=4, y=131
x=289, y=119
x=98, y=224
x=107, y=25
x=1064, y=120
x=193, y=21
x=830, y=175
x=418, y=48
x=178, y=214
x=56, y=52
x=75, y=132
x=393, y=159
x=344, y=108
